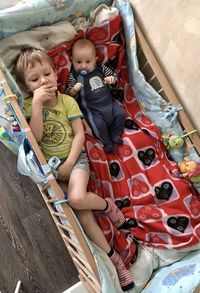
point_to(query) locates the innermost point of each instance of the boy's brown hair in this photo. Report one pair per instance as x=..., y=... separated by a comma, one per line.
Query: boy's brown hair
x=27, y=57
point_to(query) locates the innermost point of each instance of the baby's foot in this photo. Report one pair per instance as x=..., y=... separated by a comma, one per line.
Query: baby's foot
x=109, y=148
x=117, y=140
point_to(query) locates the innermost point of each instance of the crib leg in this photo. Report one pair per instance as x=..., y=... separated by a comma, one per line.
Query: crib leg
x=18, y=288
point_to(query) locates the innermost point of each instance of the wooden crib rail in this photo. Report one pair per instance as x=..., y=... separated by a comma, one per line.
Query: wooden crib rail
x=72, y=235
x=156, y=77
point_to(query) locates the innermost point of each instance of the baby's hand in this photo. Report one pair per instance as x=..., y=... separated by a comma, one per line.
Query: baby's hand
x=110, y=79
x=78, y=87
x=44, y=93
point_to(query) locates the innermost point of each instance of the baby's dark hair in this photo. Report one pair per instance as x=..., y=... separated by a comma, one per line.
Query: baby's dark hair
x=81, y=44
x=27, y=58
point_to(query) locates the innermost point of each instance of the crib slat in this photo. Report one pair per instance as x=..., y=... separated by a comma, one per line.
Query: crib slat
x=92, y=285
x=142, y=68
x=82, y=269
x=64, y=227
x=72, y=242
x=87, y=285
x=160, y=90
x=152, y=78
x=59, y=215
x=78, y=256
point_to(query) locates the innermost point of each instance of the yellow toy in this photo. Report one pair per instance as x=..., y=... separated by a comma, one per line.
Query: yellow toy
x=190, y=169
x=175, y=141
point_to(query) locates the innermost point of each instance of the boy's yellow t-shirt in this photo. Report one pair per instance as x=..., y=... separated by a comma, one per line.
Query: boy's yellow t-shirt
x=57, y=134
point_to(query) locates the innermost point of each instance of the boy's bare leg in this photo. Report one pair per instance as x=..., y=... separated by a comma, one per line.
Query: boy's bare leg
x=92, y=229
x=83, y=203
x=79, y=198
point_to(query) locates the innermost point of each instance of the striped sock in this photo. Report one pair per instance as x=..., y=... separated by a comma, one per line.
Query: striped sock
x=125, y=277
x=114, y=213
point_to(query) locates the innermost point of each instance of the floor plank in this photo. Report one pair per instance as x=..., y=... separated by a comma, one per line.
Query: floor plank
x=31, y=249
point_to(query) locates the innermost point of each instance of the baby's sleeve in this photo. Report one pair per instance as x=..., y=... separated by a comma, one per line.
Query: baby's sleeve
x=70, y=83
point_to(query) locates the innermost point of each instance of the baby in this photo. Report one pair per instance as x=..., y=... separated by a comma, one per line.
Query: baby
x=91, y=80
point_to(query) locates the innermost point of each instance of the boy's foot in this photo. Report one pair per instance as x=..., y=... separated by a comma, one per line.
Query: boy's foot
x=114, y=213
x=125, y=277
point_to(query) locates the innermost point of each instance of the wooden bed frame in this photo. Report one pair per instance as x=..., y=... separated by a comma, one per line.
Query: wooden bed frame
x=79, y=250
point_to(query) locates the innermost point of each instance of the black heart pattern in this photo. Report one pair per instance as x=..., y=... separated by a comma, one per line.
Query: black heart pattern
x=164, y=191
x=128, y=224
x=178, y=223
x=147, y=157
x=130, y=124
x=116, y=39
x=131, y=223
x=114, y=169
x=169, y=156
x=146, y=131
x=123, y=203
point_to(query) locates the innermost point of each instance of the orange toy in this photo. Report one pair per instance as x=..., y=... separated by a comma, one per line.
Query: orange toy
x=190, y=168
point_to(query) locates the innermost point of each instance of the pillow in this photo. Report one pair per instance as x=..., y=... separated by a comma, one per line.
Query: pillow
x=31, y=13
x=182, y=276
x=43, y=37
x=8, y=3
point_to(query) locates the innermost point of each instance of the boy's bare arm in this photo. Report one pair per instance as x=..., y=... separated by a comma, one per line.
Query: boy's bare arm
x=36, y=121
x=40, y=96
x=76, y=148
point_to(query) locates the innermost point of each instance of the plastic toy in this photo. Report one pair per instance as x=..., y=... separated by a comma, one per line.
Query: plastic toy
x=3, y=134
x=15, y=126
x=190, y=169
x=54, y=163
x=175, y=141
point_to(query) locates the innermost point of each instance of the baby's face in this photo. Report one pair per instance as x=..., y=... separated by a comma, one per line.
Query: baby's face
x=84, y=59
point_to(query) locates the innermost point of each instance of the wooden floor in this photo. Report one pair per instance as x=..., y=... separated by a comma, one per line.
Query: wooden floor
x=31, y=249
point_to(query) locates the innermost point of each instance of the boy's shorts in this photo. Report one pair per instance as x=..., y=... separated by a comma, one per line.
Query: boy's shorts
x=82, y=163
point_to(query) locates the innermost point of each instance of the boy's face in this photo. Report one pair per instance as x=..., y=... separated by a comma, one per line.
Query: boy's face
x=84, y=59
x=40, y=74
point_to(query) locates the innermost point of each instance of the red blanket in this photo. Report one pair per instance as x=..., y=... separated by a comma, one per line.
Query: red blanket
x=161, y=208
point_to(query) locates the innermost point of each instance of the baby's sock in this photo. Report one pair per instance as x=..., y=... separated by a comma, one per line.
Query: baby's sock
x=108, y=148
x=114, y=213
x=125, y=277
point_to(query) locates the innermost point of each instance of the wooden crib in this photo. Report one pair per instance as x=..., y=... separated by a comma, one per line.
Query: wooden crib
x=52, y=193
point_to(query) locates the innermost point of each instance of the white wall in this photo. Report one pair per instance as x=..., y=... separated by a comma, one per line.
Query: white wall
x=173, y=32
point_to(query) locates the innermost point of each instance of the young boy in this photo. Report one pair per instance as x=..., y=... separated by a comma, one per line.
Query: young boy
x=91, y=80
x=55, y=120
